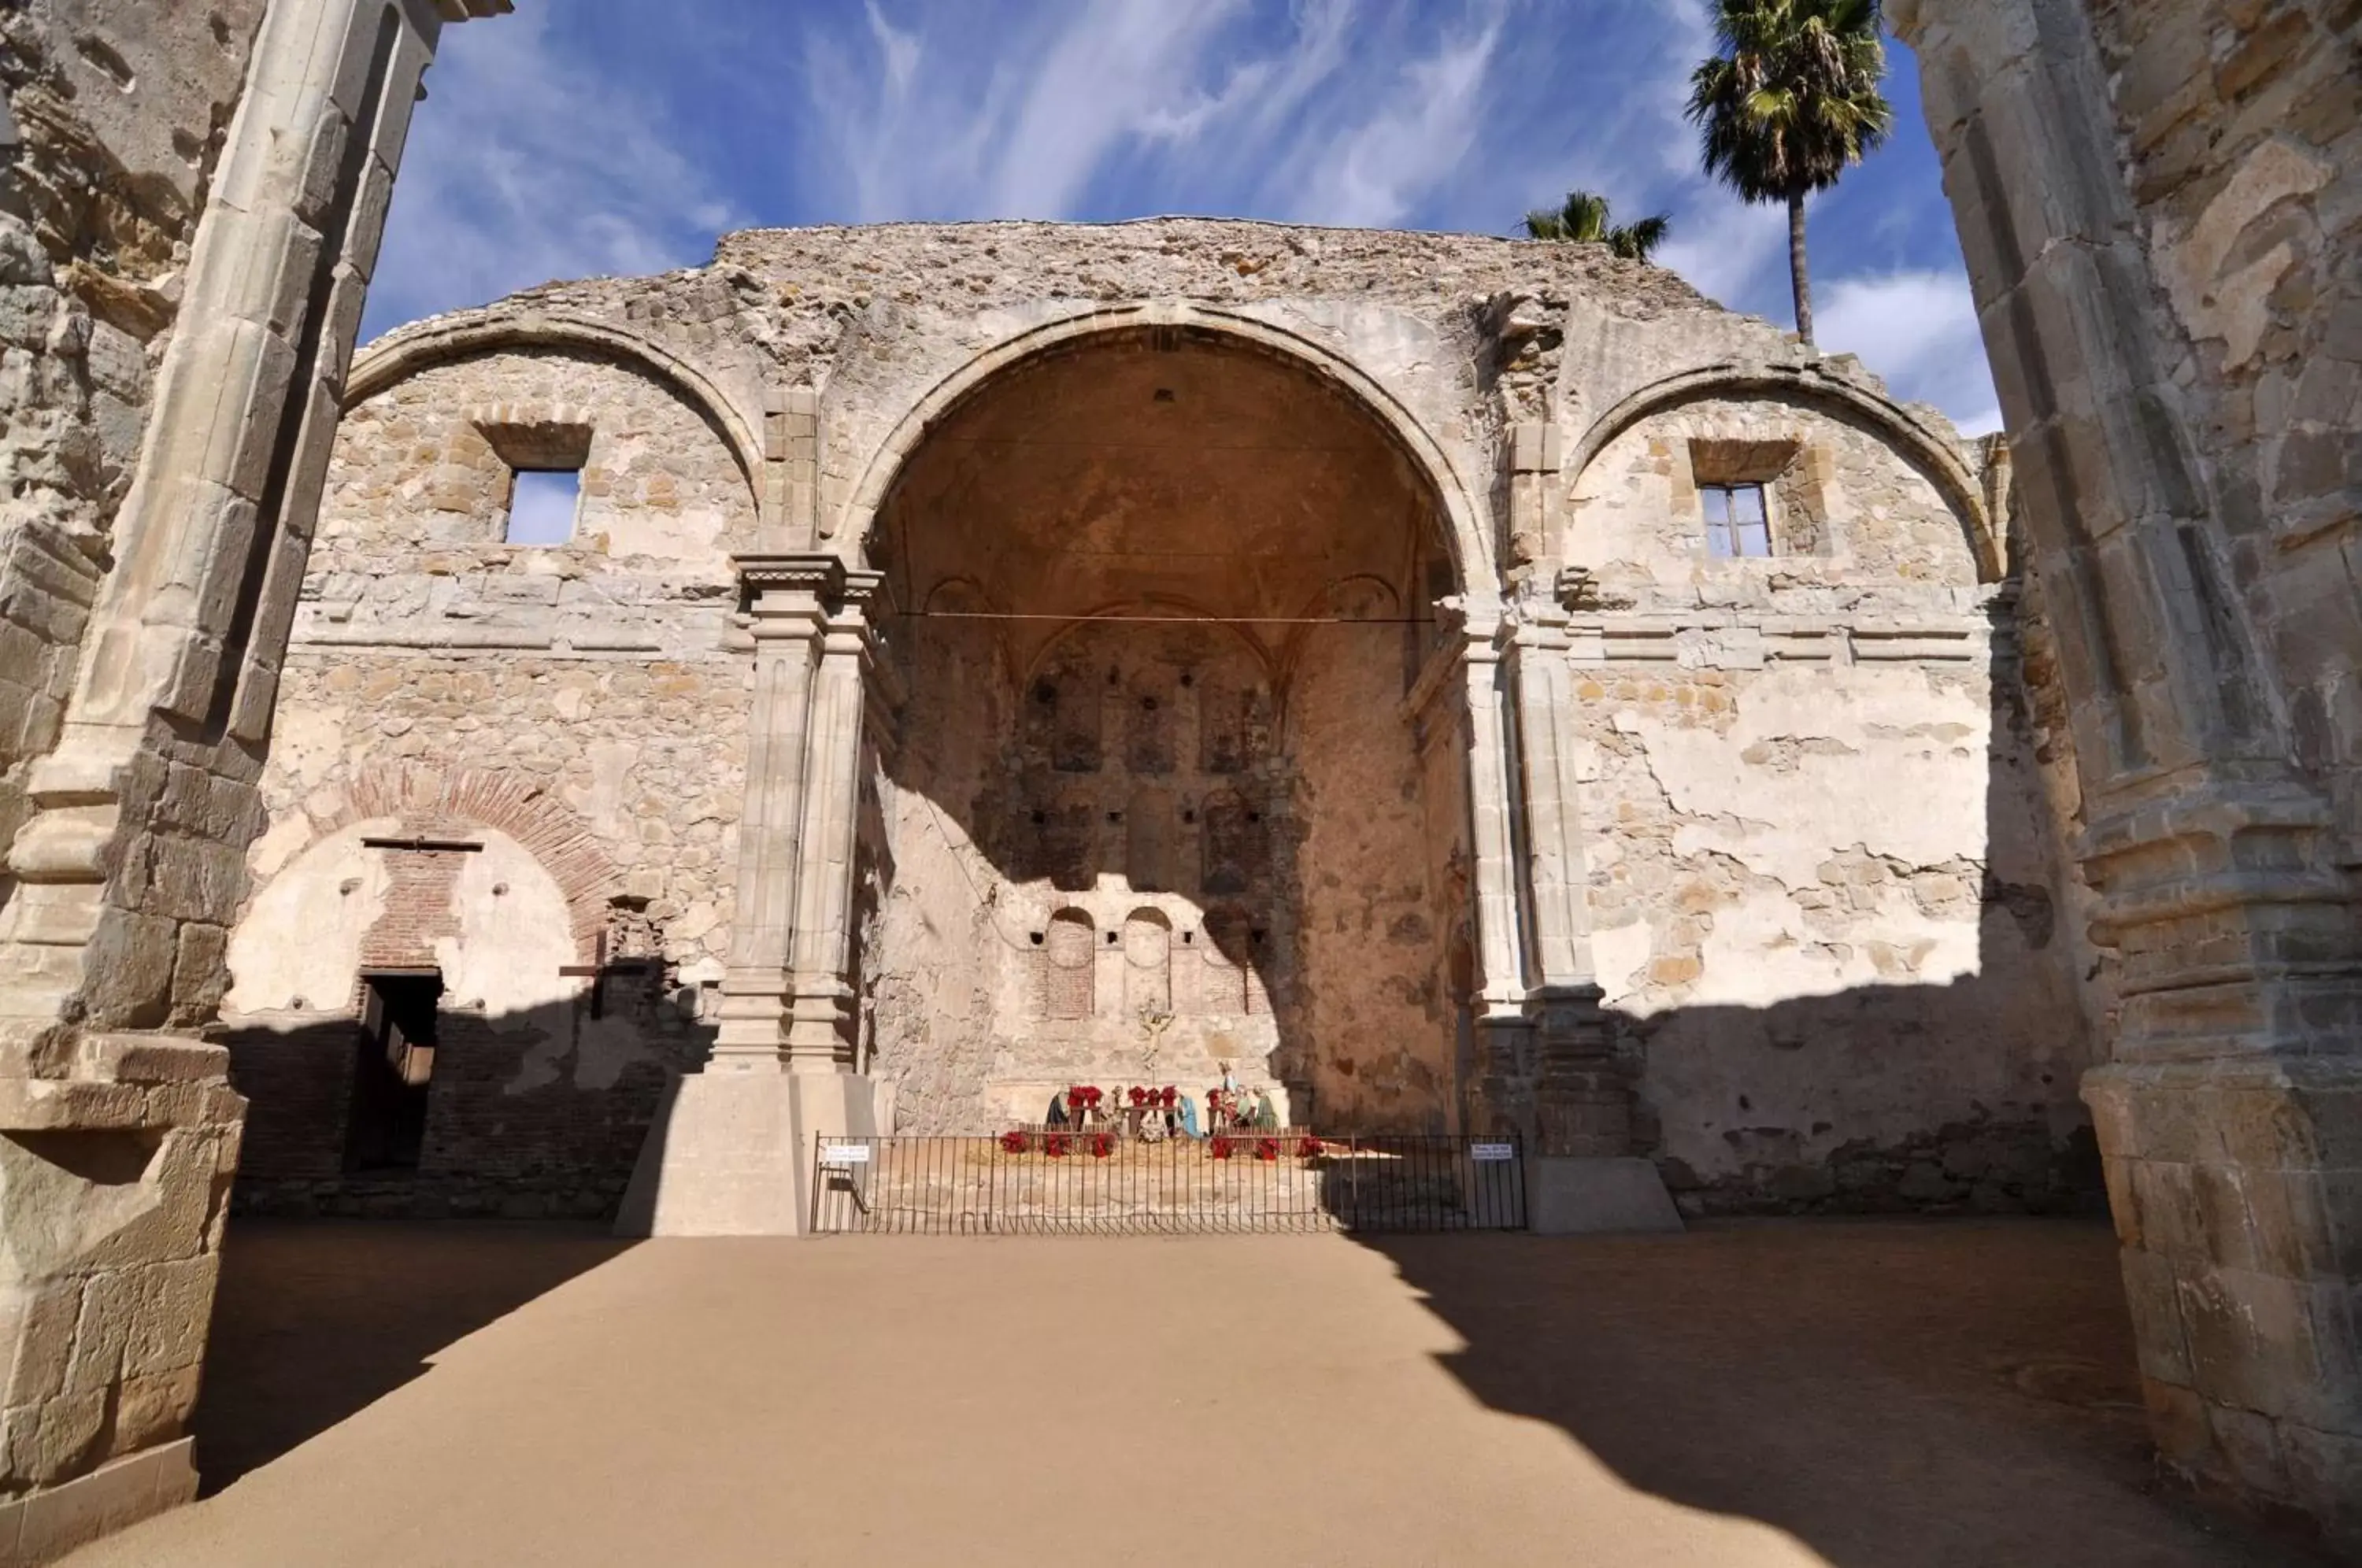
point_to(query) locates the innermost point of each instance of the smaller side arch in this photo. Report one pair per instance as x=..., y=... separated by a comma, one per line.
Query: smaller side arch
x=1939, y=460
x=1147, y=963
x=1068, y=959
x=1162, y=605
x=393, y=359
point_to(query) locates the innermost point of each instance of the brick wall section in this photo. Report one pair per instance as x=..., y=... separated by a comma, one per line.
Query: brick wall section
x=503, y=1134
x=442, y=805
x=418, y=904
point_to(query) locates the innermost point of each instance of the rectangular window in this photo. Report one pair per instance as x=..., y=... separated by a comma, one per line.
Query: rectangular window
x=1736, y=522
x=542, y=503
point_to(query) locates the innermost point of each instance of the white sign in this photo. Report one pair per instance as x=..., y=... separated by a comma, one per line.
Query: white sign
x=844, y=1154
x=1491, y=1152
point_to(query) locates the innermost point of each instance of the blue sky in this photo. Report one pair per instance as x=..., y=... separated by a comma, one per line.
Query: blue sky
x=584, y=137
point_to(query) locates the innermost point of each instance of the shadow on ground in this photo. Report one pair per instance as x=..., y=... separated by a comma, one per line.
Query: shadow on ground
x=1932, y=1393
x=315, y=1320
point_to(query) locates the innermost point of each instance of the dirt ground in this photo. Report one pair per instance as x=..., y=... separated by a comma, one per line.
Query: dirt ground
x=1871, y=1395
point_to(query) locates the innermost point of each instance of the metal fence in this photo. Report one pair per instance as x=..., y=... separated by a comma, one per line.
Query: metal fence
x=1101, y=1182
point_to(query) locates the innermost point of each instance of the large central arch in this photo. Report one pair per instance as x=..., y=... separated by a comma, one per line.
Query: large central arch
x=1161, y=803
x=1462, y=514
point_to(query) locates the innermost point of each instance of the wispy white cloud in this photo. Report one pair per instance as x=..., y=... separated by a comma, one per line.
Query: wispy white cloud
x=1408, y=137
x=1344, y=111
x=1917, y=329
x=932, y=116
x=527, y=164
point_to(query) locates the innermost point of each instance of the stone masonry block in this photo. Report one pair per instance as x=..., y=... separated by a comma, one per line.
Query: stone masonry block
x=2324, y=1473
x=2248, y=1445
x=2153, y=1296
x=2273, y=1345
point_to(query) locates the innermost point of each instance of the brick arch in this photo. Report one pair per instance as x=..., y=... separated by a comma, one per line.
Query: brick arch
x=428, y=801
x=398, y=357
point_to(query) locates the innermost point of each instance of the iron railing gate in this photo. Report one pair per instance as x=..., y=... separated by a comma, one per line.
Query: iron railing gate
x=1087, y=1183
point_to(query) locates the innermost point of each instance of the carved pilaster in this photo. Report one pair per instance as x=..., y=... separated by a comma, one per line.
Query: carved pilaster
x=786, y=997
x=1554, y=858
x=786, y=607
x=2228, y=1115
x=1493, y=806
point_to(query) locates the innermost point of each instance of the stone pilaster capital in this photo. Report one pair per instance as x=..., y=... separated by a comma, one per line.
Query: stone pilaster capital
x=1486, y=634
x=793, y=594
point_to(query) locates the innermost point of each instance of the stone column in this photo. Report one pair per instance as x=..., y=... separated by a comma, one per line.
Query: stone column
x=122, y=1133
x=822, y=1022
x=2230, y=1116
x=1493, y=808
x=788, y=622
x=732, y=1150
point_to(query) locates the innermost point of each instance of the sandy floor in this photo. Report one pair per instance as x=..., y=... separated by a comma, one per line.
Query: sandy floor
x=1871, y=1395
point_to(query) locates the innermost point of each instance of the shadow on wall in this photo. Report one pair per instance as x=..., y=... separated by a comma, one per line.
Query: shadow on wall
x=315, y=1321
x=1944, y=1395
x=530, y=1115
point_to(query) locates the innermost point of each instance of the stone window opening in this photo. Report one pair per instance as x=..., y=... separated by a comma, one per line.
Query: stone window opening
x=546, y=460
x=543, y=504
x=1738, y=523
x=393, y=1065
x=1761, y=498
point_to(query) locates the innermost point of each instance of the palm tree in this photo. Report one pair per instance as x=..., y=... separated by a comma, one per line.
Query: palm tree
x=1789, y=103
x=1584, y=218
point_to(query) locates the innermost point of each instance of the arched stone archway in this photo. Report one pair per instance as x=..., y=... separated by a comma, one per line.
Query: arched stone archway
x=1215, y=557
x=1463, y=518
x=1936, y=456
x=395, y=359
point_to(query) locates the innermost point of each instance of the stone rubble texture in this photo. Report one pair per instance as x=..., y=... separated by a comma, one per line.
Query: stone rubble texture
x=1824, y=881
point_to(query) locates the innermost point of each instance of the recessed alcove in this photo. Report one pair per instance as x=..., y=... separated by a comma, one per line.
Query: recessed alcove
x=1173, y=687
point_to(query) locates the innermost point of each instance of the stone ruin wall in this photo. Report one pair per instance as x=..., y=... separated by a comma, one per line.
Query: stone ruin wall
x=1813, y=793
x=2240, y=132
x=1935, y=1069
x=600, y=681
x=113, y=119
x=1250, y=865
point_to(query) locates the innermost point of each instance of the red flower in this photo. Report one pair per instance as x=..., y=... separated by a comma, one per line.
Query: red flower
x=1310, y=1148
x=1055, y=1145
x=1219, y=1149
x=1091, y=1097
x=1014, y=1142
x=1267, y=1149
x=1172, y=1096
x=1139, y=1095
x=1102, y=1145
